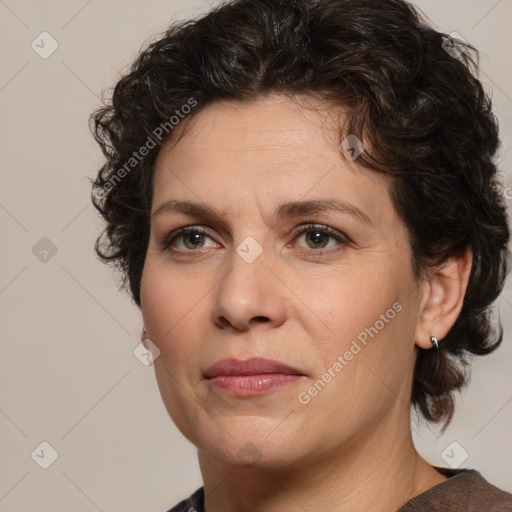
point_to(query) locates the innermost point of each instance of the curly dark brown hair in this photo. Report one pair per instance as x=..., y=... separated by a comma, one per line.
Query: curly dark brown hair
x=409, y=91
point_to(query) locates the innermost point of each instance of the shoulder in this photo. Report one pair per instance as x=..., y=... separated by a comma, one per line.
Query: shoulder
x=464, y=490
x=194, y=503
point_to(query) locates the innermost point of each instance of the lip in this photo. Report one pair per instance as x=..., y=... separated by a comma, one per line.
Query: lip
x=253, y=366
x=255, y=376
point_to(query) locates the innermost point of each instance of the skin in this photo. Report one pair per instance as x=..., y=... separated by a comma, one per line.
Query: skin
x=202, y=302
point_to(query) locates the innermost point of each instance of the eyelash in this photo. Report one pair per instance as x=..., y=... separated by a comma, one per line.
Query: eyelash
x=341, y=238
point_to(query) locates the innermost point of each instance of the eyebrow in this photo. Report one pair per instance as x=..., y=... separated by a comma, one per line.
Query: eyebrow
x=285, y=210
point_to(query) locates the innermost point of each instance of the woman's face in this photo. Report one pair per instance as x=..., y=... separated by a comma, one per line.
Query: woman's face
x=267, y=272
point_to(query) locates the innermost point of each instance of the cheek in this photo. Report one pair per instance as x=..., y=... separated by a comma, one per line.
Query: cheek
x=167, y=303
x=368, y=327
x=352, y=302
x=170, y=313
x=154, y=298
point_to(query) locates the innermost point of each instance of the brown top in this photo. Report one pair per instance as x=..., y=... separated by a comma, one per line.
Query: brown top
x=465, y=490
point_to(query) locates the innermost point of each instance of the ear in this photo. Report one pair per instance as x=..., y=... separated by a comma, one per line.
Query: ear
x=443, y=298
x=143, y=334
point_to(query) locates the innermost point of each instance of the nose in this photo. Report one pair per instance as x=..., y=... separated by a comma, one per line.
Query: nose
x=249, y=294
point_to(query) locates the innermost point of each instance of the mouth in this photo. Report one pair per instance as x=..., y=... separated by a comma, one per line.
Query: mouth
x=255, y=376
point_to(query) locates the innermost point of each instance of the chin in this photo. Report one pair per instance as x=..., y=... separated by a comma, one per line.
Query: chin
x=252, y=455
x=248, y=442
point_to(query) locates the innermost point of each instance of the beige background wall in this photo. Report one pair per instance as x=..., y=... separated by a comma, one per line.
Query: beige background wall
x=67, y=372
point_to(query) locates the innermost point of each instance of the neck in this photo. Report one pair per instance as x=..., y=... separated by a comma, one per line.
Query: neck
x=356, y=478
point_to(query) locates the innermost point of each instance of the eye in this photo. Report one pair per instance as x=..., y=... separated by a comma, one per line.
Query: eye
x=317, y=238
x=191, y=237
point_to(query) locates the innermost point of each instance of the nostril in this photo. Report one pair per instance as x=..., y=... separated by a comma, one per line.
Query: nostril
x=224, y=322
x=261, y=319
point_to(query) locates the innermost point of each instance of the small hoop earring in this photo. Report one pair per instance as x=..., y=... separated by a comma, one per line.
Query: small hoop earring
x=434, y=342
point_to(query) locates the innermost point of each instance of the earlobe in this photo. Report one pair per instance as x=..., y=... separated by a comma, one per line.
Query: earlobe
x=445, y=290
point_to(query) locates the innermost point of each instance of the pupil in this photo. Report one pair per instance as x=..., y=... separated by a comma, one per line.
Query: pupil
x=195, y=238
x=317, y=237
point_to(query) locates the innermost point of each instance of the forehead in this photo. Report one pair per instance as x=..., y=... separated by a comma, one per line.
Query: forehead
x=270, y=150
x=273, y=122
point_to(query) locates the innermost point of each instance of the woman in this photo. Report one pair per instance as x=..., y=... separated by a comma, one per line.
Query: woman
x=302, y=199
